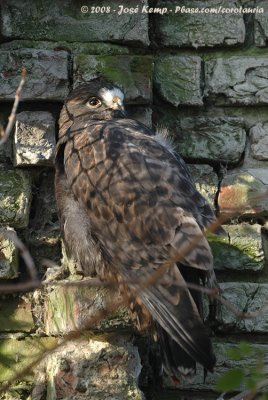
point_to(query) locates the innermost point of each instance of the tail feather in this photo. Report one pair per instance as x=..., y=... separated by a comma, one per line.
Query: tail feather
x=184, y=339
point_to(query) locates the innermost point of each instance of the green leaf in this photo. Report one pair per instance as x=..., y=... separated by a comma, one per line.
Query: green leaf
x=245, y=348
x=231, y=380
x=234, y=353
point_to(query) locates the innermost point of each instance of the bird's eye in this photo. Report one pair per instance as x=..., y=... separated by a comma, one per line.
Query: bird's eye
x=94, y=102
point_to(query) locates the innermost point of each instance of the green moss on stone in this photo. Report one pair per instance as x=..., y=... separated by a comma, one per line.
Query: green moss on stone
x=15, y=197
x=17, y=354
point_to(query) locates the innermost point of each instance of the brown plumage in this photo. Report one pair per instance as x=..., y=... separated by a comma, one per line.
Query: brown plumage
x=126, y=205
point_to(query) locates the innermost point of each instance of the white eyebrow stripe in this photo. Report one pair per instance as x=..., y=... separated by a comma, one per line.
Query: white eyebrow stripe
x=109, y=94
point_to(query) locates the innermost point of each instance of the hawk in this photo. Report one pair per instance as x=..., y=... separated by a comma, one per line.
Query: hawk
x=127, y=204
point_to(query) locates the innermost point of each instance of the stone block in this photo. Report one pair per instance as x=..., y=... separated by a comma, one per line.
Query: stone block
x=256, y=154
x=15, y=197
x=206, y=181
x=219, y=139
x=132, y=73
x=244, y=192
x=184, y=29
x=178, y=79
x=241, y=250
x=34, y=139
x=237, y=80
x=261, y=25
x=95, y=368
x=69, y=308
x=72, y=47
x=8, y=259
x=224, y=364
x=18, y=354
x=16, y=315
x=246, y=297
x=259, y=141
x=65, y=21
x=47, y=74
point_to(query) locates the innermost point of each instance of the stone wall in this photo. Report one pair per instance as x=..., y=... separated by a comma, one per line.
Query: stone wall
x=205, y=78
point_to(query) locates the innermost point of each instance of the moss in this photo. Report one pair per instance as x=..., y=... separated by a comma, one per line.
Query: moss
x=15, y=316
x=17, y=354
x=15, y=197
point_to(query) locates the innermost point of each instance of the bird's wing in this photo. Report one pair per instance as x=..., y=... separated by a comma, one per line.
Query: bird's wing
x=139, y=203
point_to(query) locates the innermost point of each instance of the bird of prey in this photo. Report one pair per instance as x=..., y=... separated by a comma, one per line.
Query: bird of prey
x=127, y=204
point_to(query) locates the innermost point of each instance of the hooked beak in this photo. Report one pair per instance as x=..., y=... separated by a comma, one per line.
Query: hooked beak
x=118, y=107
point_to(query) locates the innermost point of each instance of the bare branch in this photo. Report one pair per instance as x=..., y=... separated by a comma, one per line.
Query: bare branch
x=12, y=118
x=34, y=282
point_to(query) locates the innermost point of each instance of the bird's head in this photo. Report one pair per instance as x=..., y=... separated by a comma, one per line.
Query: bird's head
x=97, y=99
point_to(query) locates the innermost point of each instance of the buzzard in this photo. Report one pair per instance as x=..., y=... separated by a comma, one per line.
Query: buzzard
x=126, y=205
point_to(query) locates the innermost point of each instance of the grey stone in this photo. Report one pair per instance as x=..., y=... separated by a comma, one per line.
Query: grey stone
x=244, y=192
x=73, y=47
x=224, y=364
x=95, y=368
x=219, y=139
x=241, y=250
x=237, y=80
x=64, y=20
x=246, y=297
x=178, y=78
x=15, y=197
x=200, y=29
x=34, y=139
x=206, y=181
x=132, y=73
x=8, y=258
x=261, y=25
x=47, y=74
x=259, y=141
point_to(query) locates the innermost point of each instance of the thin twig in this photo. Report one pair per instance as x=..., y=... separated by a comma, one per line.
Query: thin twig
x=12, y=118
x=33, y=282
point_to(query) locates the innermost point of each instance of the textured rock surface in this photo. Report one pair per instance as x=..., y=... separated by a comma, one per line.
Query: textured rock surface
x=246, y=297
x=132, y=73
x=8, y=259
x=261, y=25
x=47, y=74
x=241, y=250
x=244, y=191
x=74, y=47
x=200, y=29
x=34, y=139
x=224, y=364
x=15, y=197
x=178, y=79
x=80, y=369
x=206, y=181
x=259, y=141
x=65, y=21
x=69, y=308
x=207, y=139
x=237, y=80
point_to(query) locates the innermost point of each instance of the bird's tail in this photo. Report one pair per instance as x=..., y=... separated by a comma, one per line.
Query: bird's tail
x=183, y=338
